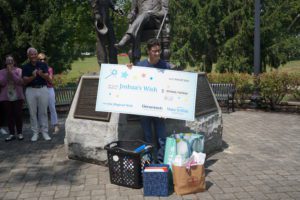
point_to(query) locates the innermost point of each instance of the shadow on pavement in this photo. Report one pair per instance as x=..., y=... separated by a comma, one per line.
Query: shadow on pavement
x=41, y=162
x=209, y=162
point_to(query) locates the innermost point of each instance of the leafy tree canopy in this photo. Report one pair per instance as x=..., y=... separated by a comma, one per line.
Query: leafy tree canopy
x=222, y=32
x=59, y=28
x=204, y=32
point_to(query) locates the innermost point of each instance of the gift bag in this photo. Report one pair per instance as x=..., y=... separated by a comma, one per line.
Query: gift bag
x=195, y=141
x=170, y=150
x=183, y=144
x=187, y=181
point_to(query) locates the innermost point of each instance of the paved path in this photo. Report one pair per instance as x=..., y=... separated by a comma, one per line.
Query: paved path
x=261, y=160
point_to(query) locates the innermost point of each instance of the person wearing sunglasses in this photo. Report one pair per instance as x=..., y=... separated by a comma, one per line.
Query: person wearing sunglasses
x=12, y=97
x=51, y=99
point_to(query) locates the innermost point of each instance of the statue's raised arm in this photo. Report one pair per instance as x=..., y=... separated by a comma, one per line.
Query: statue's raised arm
x=106, y=51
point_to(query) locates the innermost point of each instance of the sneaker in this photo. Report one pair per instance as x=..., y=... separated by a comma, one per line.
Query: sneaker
x=20, y=136
x=35, y=137
x=3, y=131
x=46, y=136
x=10, y=138
x=56, y=129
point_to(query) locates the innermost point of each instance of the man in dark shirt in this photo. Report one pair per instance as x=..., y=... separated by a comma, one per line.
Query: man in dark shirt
x=35, y=74
x=153, y=60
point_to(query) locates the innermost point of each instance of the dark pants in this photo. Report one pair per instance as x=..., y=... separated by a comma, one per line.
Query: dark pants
x=13, y=111
x=160, y=130
x=2, y=115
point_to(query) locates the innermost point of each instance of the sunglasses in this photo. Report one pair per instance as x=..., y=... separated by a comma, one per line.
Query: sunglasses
x=42, y=59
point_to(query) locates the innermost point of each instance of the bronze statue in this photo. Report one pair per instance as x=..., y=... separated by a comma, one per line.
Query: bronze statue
x=106, y=51
x=145, y=14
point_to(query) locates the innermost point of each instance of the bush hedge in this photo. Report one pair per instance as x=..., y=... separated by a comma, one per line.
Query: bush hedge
x=60, y=81
x=272, y=86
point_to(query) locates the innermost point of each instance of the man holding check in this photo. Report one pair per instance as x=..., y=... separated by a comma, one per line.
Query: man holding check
x=153, y=60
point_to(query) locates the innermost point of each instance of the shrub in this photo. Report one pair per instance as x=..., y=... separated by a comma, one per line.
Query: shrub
x=274, y=86
x=60, y=80
x=244, y=87
x=220, y=77
x=295, y=86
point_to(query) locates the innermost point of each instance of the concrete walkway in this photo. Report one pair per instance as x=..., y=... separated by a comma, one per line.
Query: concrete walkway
x=261, y=160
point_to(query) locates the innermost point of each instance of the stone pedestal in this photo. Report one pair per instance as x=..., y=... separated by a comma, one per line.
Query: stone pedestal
x=85, y=139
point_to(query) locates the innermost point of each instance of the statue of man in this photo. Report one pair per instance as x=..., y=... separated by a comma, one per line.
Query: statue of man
x=105, y=32
x=145, y=14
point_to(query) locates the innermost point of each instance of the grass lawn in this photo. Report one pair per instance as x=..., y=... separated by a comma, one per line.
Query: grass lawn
x=86, y=65
x=291, y=67
x=89, y=65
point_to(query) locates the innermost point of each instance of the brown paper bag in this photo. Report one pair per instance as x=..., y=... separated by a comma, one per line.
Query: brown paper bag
x=189, y=181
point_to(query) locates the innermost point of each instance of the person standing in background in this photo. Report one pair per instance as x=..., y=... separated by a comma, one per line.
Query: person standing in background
x=35, y=76
x=12, y=97
x=53, y=114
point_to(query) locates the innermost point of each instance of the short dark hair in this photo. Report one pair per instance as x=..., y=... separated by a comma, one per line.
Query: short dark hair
x=152, y=42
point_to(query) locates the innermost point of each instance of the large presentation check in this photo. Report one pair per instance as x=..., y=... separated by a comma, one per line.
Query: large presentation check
x=147, y=91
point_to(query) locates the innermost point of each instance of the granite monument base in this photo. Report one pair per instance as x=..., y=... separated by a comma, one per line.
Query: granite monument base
x=85, y=138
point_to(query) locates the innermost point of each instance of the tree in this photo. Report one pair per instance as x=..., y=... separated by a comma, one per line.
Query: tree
x=222, y=32
x=215, y=31
x=59, y=28
x=280, y=42
x=204, y=32
x=187, y=32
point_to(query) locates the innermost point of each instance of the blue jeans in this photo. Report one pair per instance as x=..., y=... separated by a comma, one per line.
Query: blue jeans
x=160, y=131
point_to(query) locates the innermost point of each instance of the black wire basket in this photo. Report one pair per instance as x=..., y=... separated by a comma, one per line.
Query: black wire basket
x=126, y=164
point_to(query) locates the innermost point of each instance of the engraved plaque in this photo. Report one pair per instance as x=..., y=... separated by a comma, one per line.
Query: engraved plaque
x=205, y=102
x=86, y=104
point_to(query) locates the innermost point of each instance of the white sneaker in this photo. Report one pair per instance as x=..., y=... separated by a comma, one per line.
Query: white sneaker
x=35, y=137
x=56, y=129
x=3, y=131
x=46, y=136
